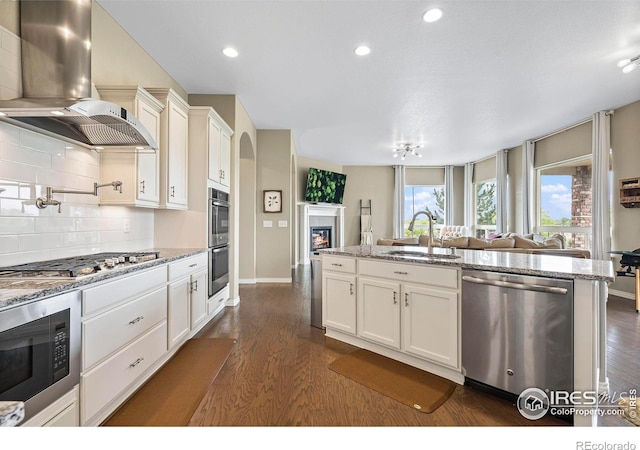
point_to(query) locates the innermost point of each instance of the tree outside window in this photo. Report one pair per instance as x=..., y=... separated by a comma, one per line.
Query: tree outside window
x=423, y=198
x=486, y=208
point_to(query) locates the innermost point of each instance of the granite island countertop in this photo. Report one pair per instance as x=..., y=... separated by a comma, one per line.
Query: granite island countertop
x=17, y=291
x=493, y=261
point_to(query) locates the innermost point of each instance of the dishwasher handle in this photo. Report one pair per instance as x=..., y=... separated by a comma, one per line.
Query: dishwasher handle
x=511, y=285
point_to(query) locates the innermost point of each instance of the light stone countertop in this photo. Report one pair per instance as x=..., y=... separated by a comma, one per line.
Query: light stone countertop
x=17, y=291
x=493, y=261
x=11, y=413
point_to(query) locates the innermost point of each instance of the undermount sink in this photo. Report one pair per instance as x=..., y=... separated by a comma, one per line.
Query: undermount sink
x=420, y=254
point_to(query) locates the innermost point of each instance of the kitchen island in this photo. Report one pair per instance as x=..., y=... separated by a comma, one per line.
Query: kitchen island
x=404, y=303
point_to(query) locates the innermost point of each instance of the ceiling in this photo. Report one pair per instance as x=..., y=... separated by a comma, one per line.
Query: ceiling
x=487, y=76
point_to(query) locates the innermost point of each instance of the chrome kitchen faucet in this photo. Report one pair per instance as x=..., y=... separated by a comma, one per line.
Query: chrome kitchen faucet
x=42, y=202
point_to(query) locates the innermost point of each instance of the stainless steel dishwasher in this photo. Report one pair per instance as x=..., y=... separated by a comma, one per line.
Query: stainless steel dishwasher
x=517, y=332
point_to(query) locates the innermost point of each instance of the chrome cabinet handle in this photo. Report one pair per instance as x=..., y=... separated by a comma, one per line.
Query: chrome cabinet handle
x=136, y=362
x=397, y=272
x=193, y=265
x=142, y=187
x=194, y=286
x=136, y=320
x=406, y=299
x=395, y=298
x=336, y=264
x=350, y=288
x=173, y=191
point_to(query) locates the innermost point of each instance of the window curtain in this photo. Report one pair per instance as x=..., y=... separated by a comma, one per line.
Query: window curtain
x=468, y=198
x=528, y=150
x=448, y=195
x=501, y=191
x=600, y=227
x=398, y=202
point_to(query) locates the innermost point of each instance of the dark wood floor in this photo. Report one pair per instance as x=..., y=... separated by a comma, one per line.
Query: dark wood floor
x=277, y=373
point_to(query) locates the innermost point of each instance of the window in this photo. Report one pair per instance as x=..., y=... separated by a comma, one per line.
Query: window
x=423, y=198
x=564, y=201
x=485, y=208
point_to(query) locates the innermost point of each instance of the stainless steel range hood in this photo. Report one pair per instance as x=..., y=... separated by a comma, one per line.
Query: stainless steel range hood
x=56, y=81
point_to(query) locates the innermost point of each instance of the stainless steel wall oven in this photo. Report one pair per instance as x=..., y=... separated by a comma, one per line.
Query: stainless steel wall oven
x=218, y=240
x=40, y=351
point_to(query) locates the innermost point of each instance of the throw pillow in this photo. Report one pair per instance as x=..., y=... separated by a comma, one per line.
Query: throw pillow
x=521, y=242
x=476, y=243
x=460, y=242
x=502, y=243
x=552, y=243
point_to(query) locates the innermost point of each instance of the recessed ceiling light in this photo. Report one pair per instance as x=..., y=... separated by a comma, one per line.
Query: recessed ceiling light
x=230, y=52
x=432, y=15
x=363, y=50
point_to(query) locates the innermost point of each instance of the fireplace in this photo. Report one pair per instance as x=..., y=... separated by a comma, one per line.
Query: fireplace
x=320, y=238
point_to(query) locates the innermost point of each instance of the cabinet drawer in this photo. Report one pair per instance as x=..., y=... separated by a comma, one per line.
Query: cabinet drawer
x=129, y=286
x=338, y=264
x=431, y=275
x=186, y=266
x=111, y=330
x=103, y=384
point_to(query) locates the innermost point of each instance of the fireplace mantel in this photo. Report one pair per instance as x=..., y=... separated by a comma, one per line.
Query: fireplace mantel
x=311, y=209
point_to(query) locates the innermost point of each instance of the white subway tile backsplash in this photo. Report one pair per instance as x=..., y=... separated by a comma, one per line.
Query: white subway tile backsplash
x=30, y=157
x=78, y=238
x=37, y=141
x=16, y=207
x=45, y=241
x=54, y=224
x=18, y=225
x=9, y=133
x=70, y=166
x=8, y=244
x=17, y=172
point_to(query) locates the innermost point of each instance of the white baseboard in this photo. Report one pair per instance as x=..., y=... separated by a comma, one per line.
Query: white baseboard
x=623, y=294
x=232, y=301
x=274, y=280
x=247, y=281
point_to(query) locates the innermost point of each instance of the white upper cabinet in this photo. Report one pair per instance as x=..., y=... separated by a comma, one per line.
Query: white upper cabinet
x=217, y=146
x=174, y=144
x=139, y=172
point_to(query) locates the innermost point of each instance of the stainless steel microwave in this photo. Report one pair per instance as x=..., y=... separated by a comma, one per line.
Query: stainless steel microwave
x=40, y=351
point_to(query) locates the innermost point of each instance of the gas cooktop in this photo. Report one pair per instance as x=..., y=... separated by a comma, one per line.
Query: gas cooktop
x=76, y=266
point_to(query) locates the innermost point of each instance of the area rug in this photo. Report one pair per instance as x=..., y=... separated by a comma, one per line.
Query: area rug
x=414, y=387
x=629, y=411
x=172, y=395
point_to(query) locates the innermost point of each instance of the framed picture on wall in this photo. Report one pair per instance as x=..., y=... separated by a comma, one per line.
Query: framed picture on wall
x=272, y=201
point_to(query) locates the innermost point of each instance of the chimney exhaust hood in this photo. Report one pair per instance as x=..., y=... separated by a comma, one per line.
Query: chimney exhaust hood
x=56, y=81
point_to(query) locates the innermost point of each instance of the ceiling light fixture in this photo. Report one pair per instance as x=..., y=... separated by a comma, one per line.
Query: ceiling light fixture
x=627, y=65
x=432, y=15
x=230, y=52
x=363, y=50
x=406, y=149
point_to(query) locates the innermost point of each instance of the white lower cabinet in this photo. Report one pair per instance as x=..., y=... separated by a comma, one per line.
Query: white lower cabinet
x=199, y=297
x=409, y=312
x=339, y=301
x=379, y=311
x=430, y=323
x=179, y=320
x=64, y=412
x=104, y=383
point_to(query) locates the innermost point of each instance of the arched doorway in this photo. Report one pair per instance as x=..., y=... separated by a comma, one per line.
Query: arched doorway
x=247, y=211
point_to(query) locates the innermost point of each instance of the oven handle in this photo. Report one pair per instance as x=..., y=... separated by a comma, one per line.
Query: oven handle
x=218, y=203
x=219, y=249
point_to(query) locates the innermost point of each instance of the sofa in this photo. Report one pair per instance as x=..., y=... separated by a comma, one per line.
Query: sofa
x=505, y=242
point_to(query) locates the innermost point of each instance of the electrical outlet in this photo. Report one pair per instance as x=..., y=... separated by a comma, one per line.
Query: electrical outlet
x=282, y=223
x=267, y=223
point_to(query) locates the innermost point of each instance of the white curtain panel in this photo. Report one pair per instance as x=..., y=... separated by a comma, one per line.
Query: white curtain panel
x=398, y=202
x=601, y=227
x=501, y=191
x=528, y=151
x=468, y=197
x=448, y=195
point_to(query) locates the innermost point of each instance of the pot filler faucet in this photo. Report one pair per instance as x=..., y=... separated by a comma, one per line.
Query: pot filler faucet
x=42, y=202
x=431, y=219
